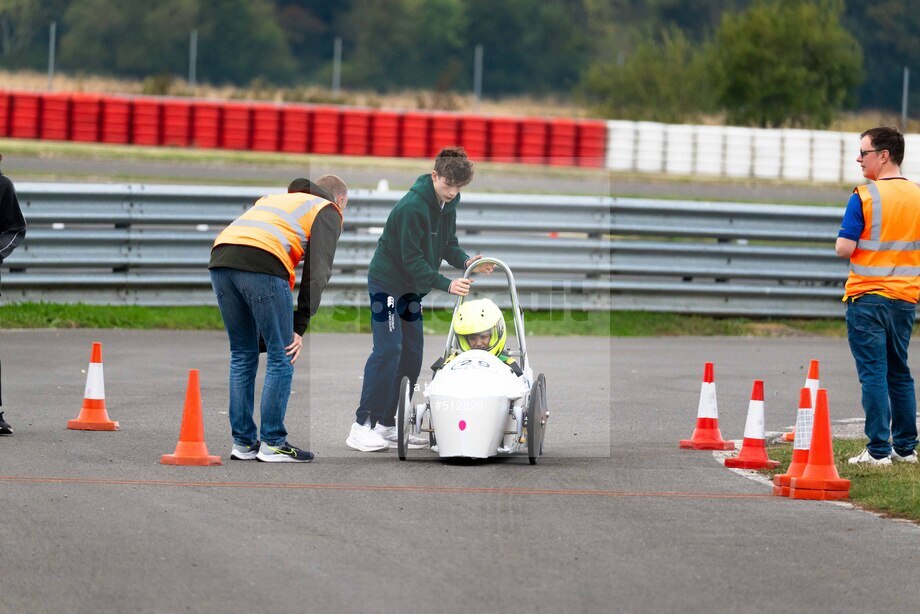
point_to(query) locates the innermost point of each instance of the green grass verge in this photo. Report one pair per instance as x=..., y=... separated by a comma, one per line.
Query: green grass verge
x=892, y=491
x=327, y=319
x=357, y=320
x=437, y=321
x=55, y=315
x=642, y=324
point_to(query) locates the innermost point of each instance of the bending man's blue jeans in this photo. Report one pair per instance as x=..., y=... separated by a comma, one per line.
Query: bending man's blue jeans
x=396, y=325
x=252, y=304
x=879, y=330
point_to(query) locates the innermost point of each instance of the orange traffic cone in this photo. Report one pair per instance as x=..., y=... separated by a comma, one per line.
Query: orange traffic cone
x=811, y=382
x=706, y=435
x=93, y=416
x=820, y=479
x=753, y=453
x=191, y=449
x=803, y=428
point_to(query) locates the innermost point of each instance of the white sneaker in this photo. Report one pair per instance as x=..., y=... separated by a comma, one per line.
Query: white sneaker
x=241, y=452
x=909, y=458
x=364, y=439
x=865, y=458
x=390, y=435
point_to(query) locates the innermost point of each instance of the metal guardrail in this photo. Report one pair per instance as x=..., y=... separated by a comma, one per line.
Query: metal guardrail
x=727, y=258
x=149, y=245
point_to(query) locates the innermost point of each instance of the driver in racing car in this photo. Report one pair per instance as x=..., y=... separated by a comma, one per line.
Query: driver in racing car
x=480, y=325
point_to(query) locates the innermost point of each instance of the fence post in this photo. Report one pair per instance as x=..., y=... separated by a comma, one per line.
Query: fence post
x=336, y=65
x=193, y=59
x=52, y=41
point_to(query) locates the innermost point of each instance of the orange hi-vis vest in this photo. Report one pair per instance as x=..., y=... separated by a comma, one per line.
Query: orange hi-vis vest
x=887, y=256
x=280, y=224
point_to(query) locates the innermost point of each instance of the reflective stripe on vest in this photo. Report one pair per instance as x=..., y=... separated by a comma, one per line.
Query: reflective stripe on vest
x=280, y=224
x=896, y=271
x=887, y=255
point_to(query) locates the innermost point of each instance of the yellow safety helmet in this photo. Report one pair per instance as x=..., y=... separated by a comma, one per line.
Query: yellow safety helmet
x=474, y=318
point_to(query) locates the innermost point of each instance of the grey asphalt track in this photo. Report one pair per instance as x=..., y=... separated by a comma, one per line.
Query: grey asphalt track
x=367, y=173
x=614, y=518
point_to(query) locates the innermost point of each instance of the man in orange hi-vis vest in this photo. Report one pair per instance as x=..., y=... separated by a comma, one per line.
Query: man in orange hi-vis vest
x=880, y=235
x=252, y=272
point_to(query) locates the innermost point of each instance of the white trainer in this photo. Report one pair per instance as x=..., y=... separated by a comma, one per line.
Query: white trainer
x=364, y=439
x=865, y=458
x=390, y=435
x=907, y=458
x=241, y=452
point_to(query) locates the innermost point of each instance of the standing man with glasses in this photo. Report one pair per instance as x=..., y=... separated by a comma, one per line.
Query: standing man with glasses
x=880, y=235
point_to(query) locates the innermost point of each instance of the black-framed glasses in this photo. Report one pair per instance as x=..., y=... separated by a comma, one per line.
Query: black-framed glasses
x=863, y=152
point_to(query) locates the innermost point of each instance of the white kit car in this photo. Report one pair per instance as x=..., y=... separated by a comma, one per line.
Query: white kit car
x=476, y=407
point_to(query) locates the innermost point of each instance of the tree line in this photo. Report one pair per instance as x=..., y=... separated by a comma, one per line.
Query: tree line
x=761, y=62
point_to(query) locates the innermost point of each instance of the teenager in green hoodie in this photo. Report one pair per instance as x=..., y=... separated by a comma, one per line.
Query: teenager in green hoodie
x=420, y=232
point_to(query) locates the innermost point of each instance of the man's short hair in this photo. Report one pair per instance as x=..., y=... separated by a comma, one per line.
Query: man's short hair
x=887, y=138
x=453, y=164
x=333, y=185
x=301, y=184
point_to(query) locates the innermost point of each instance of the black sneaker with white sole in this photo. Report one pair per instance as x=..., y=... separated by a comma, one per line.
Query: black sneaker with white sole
x=5, y=429
x=241, y=452
x=285, y=453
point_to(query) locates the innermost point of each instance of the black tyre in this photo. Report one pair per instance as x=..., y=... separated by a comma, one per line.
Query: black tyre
x=403, y=422
x=536, y=419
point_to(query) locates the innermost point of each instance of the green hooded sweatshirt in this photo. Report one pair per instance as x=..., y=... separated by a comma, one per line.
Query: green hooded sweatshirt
x=417, y=236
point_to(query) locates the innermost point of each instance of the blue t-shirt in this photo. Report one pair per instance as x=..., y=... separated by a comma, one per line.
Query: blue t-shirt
x=853, y=221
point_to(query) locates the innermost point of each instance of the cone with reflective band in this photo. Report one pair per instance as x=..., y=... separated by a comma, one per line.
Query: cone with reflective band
x=753, y=454
x=93, y=415
x=803, y=427
x=811, y=382
x=706, y=435
x=191, y=449
x=820, y=479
